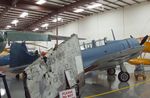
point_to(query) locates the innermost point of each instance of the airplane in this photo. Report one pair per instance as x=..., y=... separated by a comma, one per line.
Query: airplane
x=141, y=62
x=113, y=53
x=107, y=57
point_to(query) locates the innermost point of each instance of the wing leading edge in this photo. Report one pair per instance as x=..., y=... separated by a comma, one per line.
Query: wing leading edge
x=32, y=36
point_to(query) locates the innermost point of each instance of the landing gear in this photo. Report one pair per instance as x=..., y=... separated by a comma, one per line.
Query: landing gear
x=123, y=76
x=137, y=77
x=111, y=71
x=139, y=72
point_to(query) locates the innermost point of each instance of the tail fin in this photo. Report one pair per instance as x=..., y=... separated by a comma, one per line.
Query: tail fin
x=20, y=56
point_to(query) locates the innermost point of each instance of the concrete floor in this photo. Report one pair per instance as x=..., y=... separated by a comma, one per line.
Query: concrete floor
x=98, y=85
x=15, y=87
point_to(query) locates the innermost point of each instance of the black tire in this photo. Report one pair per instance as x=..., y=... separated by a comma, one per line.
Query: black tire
x=111, y=71
x=124, y=76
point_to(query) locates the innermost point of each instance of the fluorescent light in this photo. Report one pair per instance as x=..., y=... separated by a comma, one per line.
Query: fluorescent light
x=24, y=14
x=45, y=25
x=78, y=10
x=94, y=6
x=41, y=2
x=8, y=26
x=2, y=92
x=36, y=29
x=57, y=19
x=15, y=22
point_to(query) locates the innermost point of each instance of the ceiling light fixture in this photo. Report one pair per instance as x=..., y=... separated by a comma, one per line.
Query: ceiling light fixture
x=78, y=10
x=15, y=22
x=45, y=25
x=57, y=19
x=24, y=14
x=8, y=26
x=36, y=29
x=94, y=6
x=40, y=2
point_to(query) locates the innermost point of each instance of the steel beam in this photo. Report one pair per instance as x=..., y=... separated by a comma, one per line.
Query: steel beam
x=69, y=7
x=113, y=3
x=124, y=2
x=26, y=5
x=136, y=1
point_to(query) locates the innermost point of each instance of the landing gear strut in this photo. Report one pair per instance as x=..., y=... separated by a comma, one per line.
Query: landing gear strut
x=123, y=76
x=111, y=71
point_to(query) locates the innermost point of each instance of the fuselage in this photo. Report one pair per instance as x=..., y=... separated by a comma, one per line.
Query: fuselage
x=4, y=60
x=146, y=47
x=111, y=54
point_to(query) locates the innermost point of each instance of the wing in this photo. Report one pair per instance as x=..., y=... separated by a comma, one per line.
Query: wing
x=26, y=36
x=32, y=36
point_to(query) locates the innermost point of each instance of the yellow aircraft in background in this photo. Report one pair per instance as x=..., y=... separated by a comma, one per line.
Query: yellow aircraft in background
x=141, y=62
x=5, y=52
x=138, y=61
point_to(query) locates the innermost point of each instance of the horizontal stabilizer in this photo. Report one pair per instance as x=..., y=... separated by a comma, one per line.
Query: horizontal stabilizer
x=19, y=55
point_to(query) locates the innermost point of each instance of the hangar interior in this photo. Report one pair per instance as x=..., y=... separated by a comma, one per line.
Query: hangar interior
x=105, y=70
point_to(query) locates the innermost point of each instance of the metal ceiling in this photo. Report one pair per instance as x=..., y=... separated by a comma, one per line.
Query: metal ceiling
x=40, y=14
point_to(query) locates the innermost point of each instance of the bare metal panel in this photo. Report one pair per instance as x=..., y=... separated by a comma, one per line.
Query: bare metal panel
x=46, y=80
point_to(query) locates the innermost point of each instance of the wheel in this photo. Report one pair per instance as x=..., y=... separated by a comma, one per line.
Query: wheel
x=111, y=71
x=123, y=76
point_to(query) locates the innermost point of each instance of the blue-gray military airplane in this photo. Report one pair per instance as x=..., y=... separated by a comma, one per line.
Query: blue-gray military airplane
x=113, y=53
x=105, y=57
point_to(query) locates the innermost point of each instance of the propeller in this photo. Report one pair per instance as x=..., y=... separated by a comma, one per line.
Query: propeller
x=144, y=40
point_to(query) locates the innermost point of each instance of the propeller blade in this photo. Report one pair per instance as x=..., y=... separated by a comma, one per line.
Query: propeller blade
x=131, y=36
x=144, y=40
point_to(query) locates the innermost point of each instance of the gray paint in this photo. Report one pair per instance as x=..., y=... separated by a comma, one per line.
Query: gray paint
x=42, y=82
